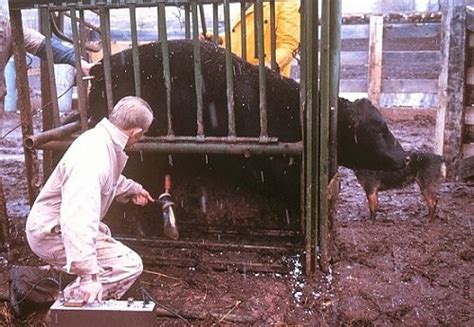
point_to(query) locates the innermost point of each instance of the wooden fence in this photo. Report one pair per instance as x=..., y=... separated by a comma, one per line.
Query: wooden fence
x=467, y=138
x=394, y=59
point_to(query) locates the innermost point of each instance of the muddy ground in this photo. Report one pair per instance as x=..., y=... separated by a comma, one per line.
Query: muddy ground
x=399, y=270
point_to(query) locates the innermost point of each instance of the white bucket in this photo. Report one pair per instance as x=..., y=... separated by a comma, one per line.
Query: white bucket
x=64, y=75
x=10, y=98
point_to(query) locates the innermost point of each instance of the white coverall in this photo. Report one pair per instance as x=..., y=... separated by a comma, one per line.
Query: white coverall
x=64, y=226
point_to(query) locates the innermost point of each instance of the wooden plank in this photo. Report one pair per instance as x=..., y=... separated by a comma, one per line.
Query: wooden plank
x=355, y=31
x=468, y=134
x=410, y=86
x=412, y=100
x=469, y=116
x=451, y=87
x=375, y=59
x=353, y=72
x=417, y=31
x=354, y=58
x=412, y=43
x=471, y=40
x=355, y=45
x=466, y=167
x=467, y=150
x=469, y=95
x=470, y=76
x=410, y=71
x=412, y=57
x=470, y=57
x=353, y=85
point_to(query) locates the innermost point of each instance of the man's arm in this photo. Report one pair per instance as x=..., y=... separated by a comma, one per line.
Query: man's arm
x=128, y=189
x=287, y=32
x=35, y=43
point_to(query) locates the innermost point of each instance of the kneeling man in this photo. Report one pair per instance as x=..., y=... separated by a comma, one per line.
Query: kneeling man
x=64, y=226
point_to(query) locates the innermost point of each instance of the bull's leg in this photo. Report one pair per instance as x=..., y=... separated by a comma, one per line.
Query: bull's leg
x=373, y=203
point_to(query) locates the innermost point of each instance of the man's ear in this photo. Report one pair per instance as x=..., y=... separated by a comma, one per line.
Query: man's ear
x=136, y=131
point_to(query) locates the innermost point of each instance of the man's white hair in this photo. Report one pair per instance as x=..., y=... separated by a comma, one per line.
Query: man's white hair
x=131, y=112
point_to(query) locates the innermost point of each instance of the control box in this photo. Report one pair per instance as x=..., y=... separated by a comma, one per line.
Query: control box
x=108, y=313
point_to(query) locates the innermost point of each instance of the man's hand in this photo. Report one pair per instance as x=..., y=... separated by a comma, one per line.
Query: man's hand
x=208, y=36
x=91, y=289
x=86, y=67
x=142, y=198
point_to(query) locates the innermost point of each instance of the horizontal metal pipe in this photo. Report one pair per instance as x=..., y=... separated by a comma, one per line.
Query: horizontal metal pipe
x=37, y=140
x=204, y=244
x=198, y=147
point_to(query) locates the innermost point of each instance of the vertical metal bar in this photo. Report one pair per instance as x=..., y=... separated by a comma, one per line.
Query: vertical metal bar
x=82, y=29
x=197, y=72
x=203, y=19
x=302, y=113
x=45, y=17
x=255, y=28
x=187, y=22
x=261, y=71
x=311, y=139
x=24, y=103
x=273, y=35
x=105, y=37
x=335, y=50
x=135, y=54
x=229, y=72
x=82, y=92
x=46, y=104
x=325, y=95
x=215, y=22
x=166, y=63
x=243, y=31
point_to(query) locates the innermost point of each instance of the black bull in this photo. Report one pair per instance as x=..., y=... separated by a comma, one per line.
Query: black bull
x=364, y=140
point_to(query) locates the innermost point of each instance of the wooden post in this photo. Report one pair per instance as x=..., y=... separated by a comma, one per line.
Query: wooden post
x=375, y=59
x=451, y=86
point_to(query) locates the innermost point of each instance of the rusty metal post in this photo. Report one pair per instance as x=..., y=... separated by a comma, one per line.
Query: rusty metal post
x=165, y=54
x=302, y=95
x=335, y=55
x=135, y=54
x=197, y=72
x=24, y=102
x=46, y=104
x=4, y=223
x=229, y=72
x=202, y=15
x=45, y=21
x=325, y=108
x=311, y=151
x=187, y=21
x=215, y=23
x=81, y=87
x=273, y=36
x=261, y=71
x=243, y=30
x=105, y=36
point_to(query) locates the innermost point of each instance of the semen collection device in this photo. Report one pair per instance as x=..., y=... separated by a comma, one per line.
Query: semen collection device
x=113, y=313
